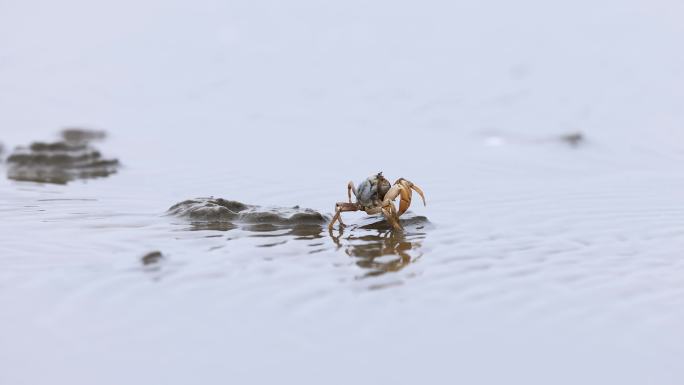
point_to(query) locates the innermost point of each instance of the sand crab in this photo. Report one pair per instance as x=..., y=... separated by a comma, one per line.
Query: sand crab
x=375, y=195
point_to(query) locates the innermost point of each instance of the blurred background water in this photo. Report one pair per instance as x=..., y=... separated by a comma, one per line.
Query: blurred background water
x=545, y=259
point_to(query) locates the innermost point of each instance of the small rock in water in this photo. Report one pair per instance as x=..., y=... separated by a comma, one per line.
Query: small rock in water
x=59, y=162
x=151, y=258
x=574, y=139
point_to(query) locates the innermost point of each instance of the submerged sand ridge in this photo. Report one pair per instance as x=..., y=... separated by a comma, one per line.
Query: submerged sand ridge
x=219, y=210
x=375, y=247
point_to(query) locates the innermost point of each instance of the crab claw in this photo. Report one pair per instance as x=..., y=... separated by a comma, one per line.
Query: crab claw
x=404, y=187
x=420, y=192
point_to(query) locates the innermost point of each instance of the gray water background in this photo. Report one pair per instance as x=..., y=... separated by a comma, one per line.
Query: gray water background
x=544, y=262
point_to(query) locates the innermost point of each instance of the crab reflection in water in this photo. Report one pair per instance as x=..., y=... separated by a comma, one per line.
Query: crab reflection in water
x=381, y=250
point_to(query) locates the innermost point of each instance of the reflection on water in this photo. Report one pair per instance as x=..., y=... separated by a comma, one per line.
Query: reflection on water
x=307, y=232
x=217, y=226
x=299, y=232
x=379, y=249
x=63, y=161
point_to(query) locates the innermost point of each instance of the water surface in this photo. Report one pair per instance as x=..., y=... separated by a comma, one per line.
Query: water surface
x=548, y=145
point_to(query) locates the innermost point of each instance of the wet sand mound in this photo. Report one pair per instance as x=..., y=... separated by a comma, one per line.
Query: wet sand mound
x=217, y=210
x=61, y=162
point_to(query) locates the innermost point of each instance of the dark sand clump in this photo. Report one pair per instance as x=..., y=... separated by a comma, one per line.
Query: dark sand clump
x=80, y=135
x=59, y=162
x=152, y=258
x=573, y=139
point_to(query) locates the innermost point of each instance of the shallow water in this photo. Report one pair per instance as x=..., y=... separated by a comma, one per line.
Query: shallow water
x=542, y=256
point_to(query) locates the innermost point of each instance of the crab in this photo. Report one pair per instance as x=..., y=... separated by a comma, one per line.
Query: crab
x=375, y=195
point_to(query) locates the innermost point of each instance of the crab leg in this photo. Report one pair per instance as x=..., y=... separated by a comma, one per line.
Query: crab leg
x=390, y=214
x=339, y=208
x=420, y=192
x=398, y=190
x=350, y=189
x=387, y=205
